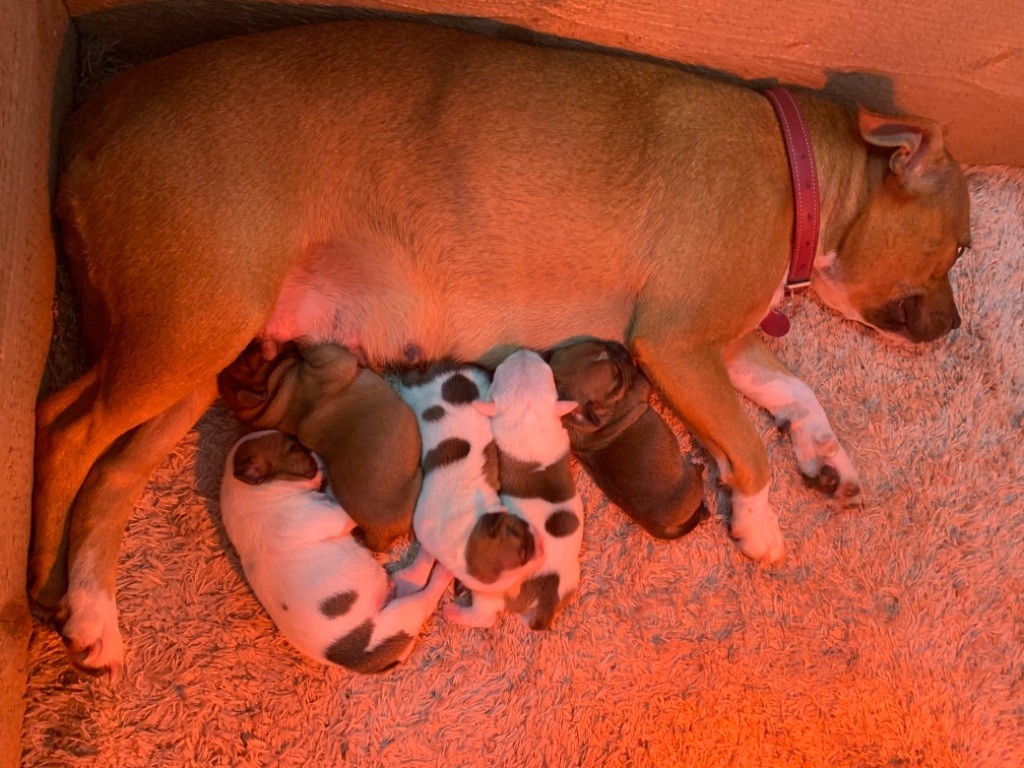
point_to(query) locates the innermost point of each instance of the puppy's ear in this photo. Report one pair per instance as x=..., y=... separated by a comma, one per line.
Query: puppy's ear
x=563, y=407
x=250, y=398
x=918, y=153
x=487, y=407
x=253, y=470
x=596, y=412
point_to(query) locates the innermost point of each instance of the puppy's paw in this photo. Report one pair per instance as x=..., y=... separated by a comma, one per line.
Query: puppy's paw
x=822, y=460
x=415, y=576
x=755, y=527
x=88, y=623
x=404, y=586
x=467, y=616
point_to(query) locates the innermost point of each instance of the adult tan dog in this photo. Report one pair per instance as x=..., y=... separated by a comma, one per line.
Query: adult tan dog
x=421, y=192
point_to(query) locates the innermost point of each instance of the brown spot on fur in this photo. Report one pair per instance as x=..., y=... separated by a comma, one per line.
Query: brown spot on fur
x=561, y=523
x=349, y=650
x=528, y=480
x=540, y=593
x=446, y=452
x=274, y=456
x=459, y=390
x=499, y=542
x=433, y=413
x=491, y=466
x=339, y=604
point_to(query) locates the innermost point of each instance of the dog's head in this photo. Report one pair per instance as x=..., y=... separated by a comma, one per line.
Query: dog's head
x=271, y=456
x=602, y=377
x=891, y=269
x=500, y=545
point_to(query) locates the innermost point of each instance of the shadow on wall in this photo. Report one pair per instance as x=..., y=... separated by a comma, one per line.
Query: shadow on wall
x=120, y=37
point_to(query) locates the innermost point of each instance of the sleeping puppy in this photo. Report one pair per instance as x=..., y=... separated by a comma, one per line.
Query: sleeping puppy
x=324, y=591
x=349, y=416
x=459, y=517
x=536, y=480
x=622, y=442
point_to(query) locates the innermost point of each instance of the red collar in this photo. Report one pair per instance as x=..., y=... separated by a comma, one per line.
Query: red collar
x=806, y=215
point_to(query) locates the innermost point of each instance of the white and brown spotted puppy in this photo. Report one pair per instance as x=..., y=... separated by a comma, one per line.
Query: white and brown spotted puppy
x=536, y=480
x=324, y=591
x=459, y=518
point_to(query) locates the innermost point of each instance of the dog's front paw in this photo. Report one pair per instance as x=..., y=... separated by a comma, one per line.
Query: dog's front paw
x=469, y=616
x=756, y=528
x=88, y=623
x=822, y=460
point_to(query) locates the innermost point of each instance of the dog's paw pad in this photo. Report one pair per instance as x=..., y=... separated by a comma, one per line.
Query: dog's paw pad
x=848, y=495
x=827, y=480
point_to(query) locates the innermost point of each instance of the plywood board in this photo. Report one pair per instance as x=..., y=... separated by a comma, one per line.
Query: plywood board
x=34, y=36
x=960, y=64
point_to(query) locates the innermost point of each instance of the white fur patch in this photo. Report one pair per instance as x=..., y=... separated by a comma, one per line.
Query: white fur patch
x=828, y=284
x=755, y=527
x=795, y=407
x=91, y=626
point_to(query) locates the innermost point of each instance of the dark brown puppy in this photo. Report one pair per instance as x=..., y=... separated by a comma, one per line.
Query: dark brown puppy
x=366, y=435
x=626, y=447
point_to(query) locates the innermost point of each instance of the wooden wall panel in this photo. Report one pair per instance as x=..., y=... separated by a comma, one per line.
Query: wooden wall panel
x=959, y=63
x=35, y=49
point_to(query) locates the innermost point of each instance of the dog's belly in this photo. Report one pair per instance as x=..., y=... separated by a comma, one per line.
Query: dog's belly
x=480, y=312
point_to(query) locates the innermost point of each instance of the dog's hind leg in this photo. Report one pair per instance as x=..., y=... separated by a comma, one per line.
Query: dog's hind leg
x=758, y=374
x=89, y=610
x=141, y=372
x=47, y=572
x=696, y=384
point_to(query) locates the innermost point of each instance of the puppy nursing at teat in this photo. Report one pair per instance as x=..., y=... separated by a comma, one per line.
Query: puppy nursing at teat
x=348, y=415
x=324, y=591
x=459, y=518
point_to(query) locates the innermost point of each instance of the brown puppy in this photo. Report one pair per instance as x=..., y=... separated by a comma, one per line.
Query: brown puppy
x=622, y=442
x=422, y=192
x=365, y=434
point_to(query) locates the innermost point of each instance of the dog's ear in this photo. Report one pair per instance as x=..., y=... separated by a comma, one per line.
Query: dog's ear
x=251, y=398
x=918, y=153
x=563, y=407
x=596, y=412
x=487, y=407
x=252, y=469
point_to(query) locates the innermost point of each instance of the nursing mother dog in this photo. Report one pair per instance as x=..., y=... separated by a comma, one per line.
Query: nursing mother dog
x=420, y=192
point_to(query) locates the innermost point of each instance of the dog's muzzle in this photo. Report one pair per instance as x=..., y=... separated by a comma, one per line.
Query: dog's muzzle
x=915, y=318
